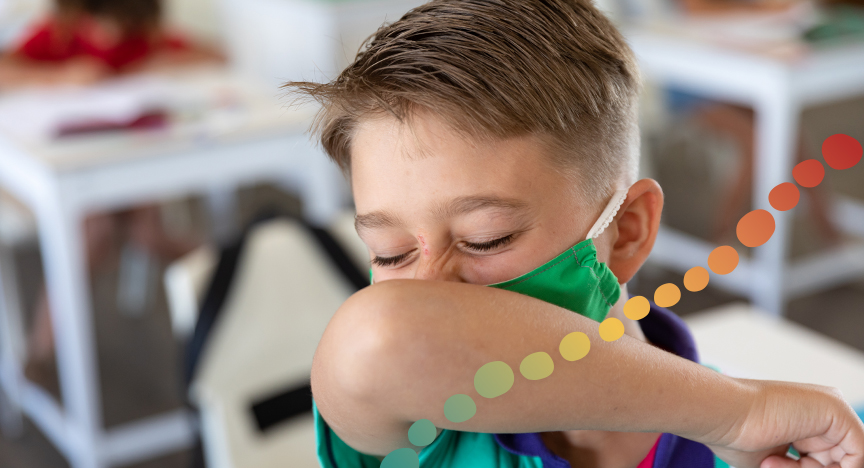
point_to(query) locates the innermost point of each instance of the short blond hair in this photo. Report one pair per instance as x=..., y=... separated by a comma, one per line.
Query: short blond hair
x=558, y=69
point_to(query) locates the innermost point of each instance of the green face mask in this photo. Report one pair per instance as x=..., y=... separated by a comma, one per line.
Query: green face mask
x=575, y=280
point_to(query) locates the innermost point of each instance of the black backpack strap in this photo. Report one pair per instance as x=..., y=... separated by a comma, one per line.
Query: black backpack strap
x=340, y=258
x=211, y=306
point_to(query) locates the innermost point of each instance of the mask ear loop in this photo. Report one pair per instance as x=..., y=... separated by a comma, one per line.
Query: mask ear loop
x=608, y=214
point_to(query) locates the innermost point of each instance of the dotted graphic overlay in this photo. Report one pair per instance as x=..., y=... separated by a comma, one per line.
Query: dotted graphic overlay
x=754, y=229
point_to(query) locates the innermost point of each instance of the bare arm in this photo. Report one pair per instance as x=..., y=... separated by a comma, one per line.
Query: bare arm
x=396, y=351
x=17, y=72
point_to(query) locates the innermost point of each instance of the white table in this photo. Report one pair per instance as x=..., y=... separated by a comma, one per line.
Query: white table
x=745, y=343
x=777, y=90
x=253, y=138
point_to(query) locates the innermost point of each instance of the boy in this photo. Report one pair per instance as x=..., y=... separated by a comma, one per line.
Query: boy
x=495, y=142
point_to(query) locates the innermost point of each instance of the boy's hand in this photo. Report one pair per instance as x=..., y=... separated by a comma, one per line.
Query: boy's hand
x=816, y=420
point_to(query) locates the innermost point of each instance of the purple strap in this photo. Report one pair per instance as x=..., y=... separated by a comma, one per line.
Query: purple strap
x=665, y=330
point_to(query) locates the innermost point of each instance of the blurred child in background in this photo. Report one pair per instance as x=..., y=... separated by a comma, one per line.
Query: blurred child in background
x=82, y=42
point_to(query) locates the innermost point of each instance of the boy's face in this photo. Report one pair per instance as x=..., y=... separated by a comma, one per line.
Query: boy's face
x=432, y=204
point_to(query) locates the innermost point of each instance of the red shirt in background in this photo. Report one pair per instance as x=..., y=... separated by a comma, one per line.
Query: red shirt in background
x=48, y=42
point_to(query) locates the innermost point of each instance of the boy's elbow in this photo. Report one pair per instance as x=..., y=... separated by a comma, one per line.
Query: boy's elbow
x=363, y=346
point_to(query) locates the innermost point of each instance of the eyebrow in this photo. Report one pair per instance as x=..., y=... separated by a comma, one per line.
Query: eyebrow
x=376, y=219
x=456, y=207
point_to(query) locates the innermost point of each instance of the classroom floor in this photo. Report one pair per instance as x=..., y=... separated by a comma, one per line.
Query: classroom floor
x=139, y=358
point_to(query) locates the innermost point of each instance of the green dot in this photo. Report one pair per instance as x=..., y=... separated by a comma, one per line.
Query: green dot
x=422, y=433
x=401, y=458
x=537, y=366
x=459, y=408
x=493, y=379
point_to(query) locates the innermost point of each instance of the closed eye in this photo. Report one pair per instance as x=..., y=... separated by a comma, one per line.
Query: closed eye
x=389, y=261
x=487, y=246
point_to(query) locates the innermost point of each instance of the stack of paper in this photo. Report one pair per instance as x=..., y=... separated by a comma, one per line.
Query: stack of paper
x=47, y=113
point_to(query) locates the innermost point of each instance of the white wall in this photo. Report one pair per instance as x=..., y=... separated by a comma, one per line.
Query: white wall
x=15, y=15
x=282, y=40
x=198, y=18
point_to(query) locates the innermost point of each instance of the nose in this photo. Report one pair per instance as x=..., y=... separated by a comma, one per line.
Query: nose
x=437, y=269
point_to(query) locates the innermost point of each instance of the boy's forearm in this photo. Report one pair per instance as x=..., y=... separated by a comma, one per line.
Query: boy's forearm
x=398, y=350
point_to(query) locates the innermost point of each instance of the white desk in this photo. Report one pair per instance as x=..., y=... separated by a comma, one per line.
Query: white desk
x=253, y=138
x=745, y=343
x=777, y=90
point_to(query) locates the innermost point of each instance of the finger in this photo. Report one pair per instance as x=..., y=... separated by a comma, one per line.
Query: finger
x=776, y=461
x=824, y=458
x=852, y=461
x=813, y=445
x=810, y=462
x=837, y=453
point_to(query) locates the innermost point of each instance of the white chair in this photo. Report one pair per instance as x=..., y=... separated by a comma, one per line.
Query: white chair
x=283, y=292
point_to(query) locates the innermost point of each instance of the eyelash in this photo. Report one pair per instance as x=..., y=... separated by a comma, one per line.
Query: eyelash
x=478, y=247
x=486, y=246
x=389, y=261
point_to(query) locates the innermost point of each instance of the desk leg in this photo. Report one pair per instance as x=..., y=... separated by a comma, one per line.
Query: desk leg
x=776, y=136
x=11, y=330
x=222, y=207
x=67, y=279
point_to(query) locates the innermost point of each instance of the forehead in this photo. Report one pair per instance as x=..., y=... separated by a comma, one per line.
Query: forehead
x=418, y=168
x=427, y=157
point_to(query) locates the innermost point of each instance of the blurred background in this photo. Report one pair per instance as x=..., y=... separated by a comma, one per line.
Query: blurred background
x=172, y=244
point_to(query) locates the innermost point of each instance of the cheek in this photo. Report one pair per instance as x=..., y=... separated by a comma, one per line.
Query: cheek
x=384, y=274
x=604, y=246
x=498, y=268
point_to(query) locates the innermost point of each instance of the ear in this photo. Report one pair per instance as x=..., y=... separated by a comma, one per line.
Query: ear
x=634, y=229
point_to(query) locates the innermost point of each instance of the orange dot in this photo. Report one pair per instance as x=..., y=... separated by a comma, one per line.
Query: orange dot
x=808, y=173
x=667, y=295
x=841, y=151
x=636, y=308
x=723, y=260
x=611, y=329
x=695, y=279
x=755, y=228
x=784, y=197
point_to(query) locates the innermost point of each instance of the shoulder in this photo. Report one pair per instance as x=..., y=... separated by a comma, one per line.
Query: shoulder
x=667, y=331
x=37, y=36
x=50, y=40
x=173, y=40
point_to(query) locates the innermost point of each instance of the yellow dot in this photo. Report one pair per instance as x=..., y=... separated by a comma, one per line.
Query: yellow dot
x=696, y=279
x=636, y=308
x=575, y=346
x=493, y=379
x=611, y=329
x=537, y=366
x=667, y=295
